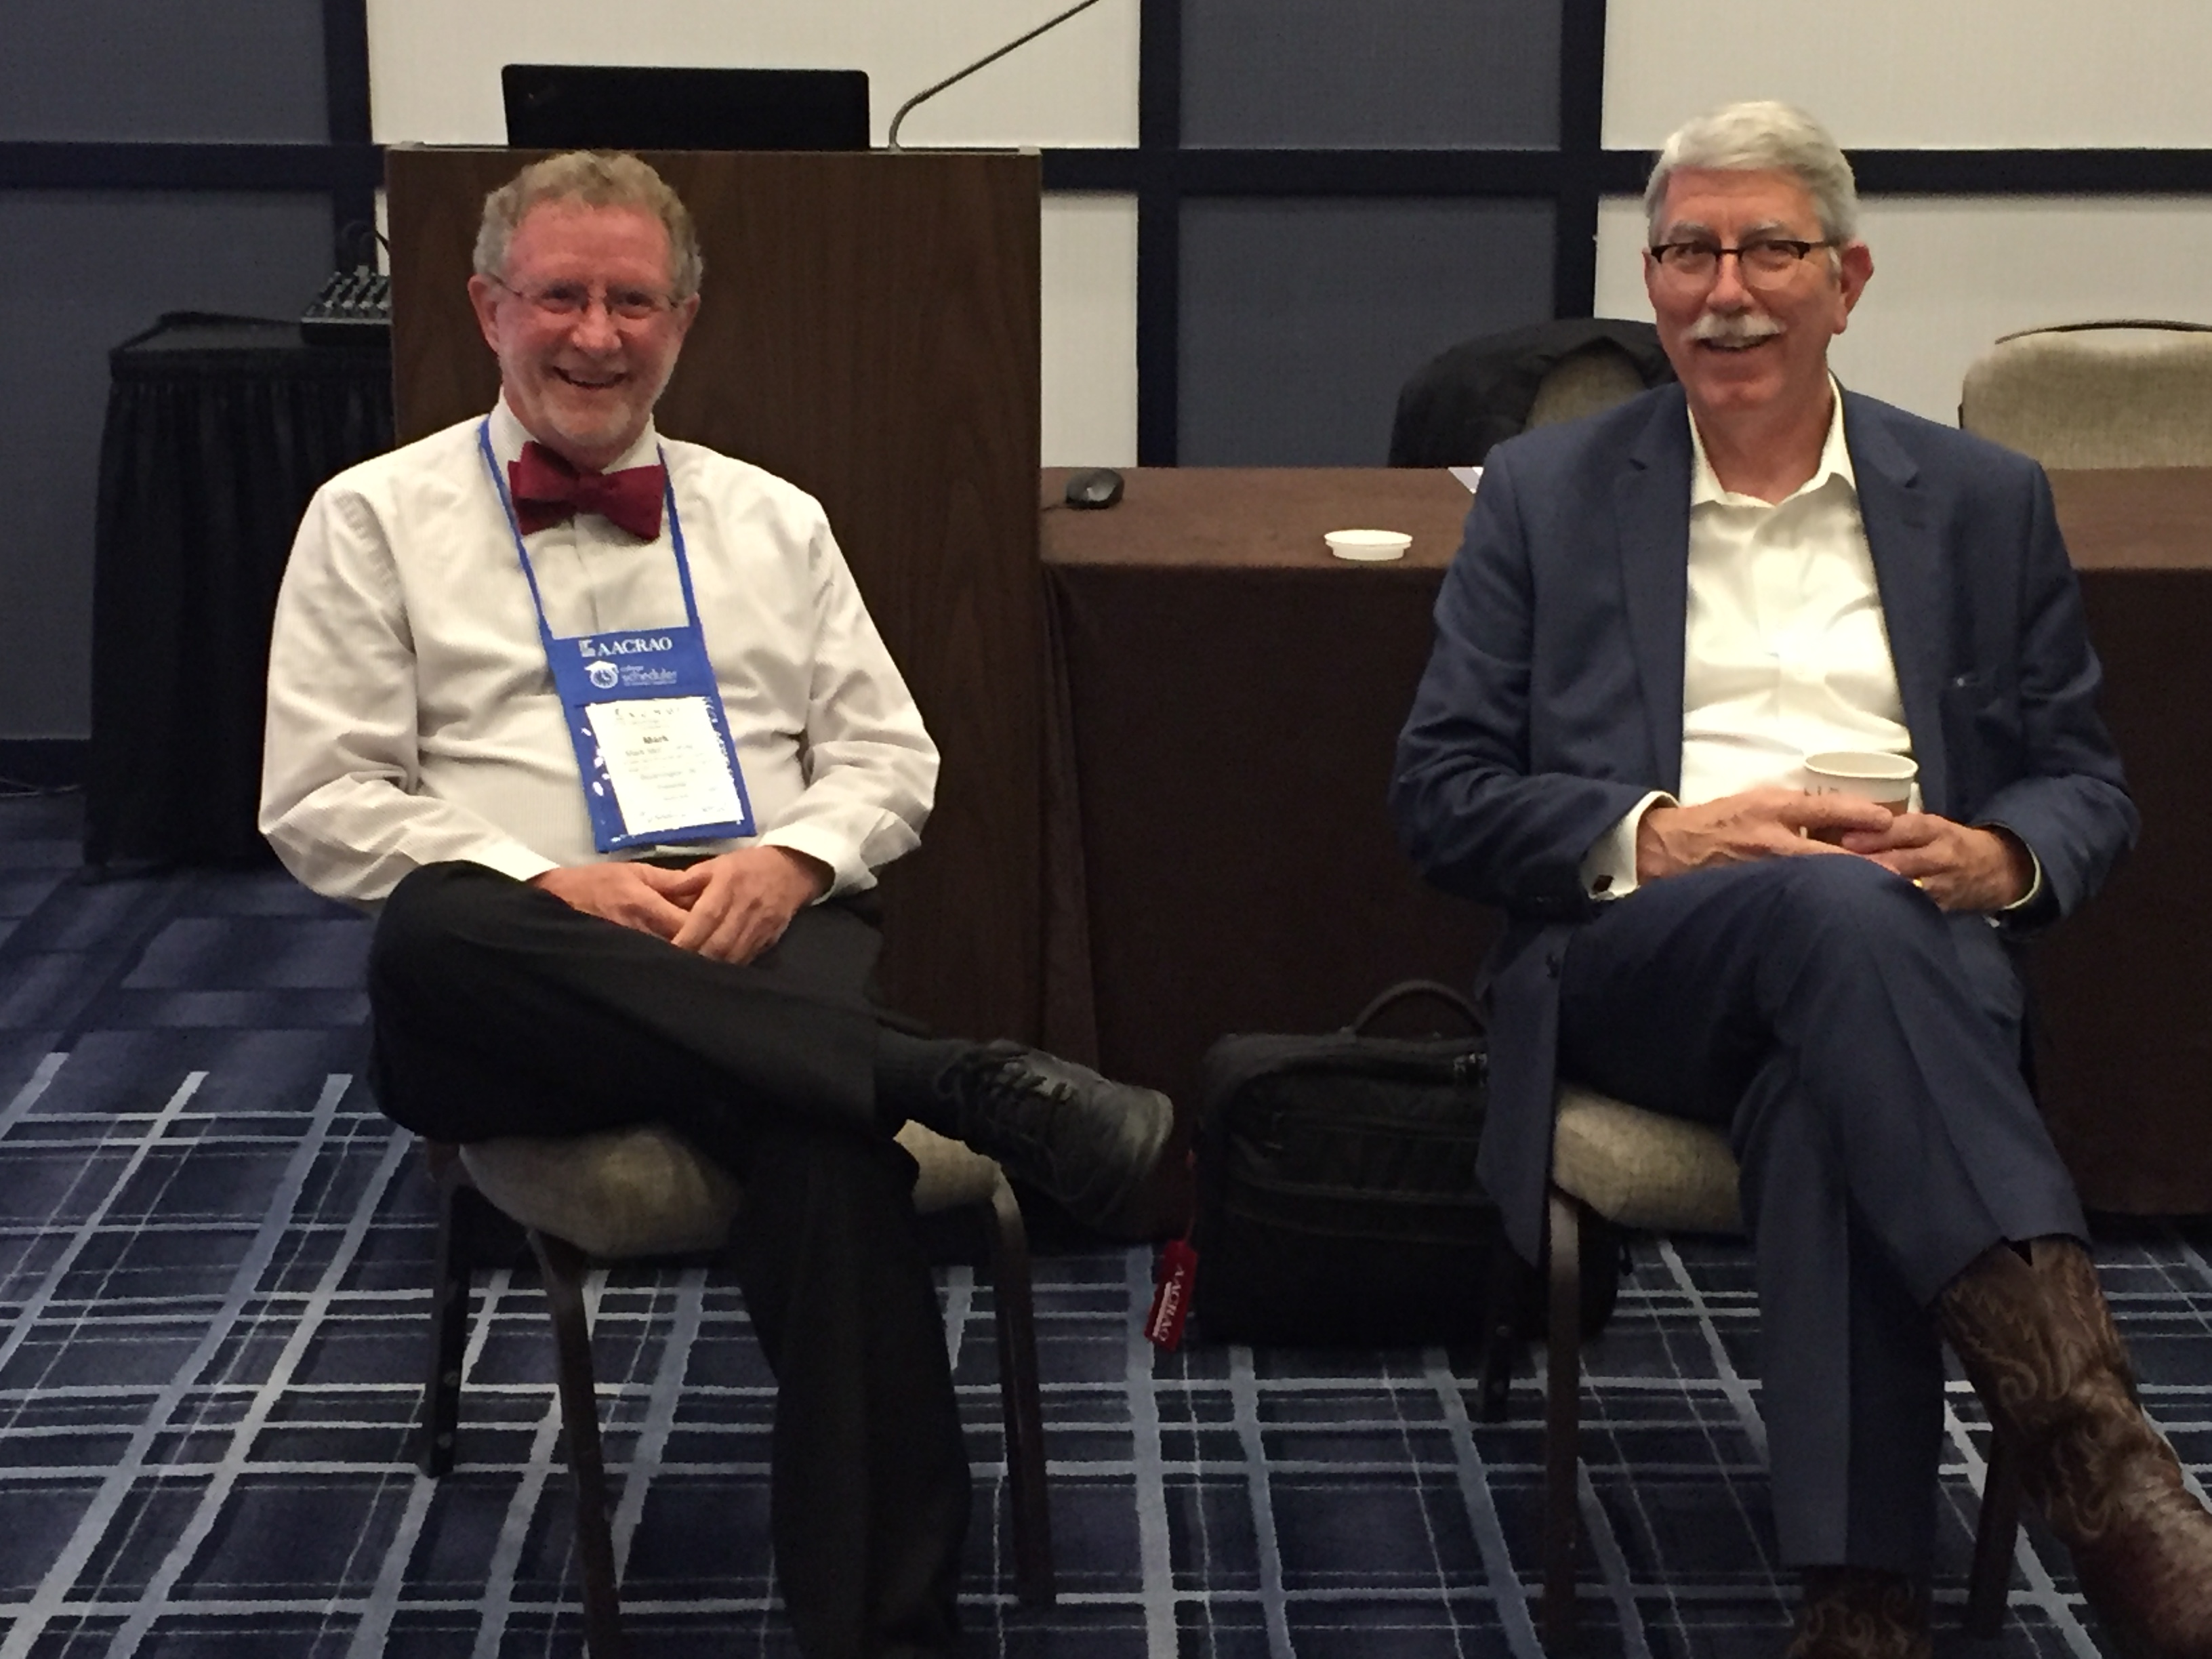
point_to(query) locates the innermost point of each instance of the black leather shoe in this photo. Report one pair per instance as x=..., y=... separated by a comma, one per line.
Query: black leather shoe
x=1094, y=1145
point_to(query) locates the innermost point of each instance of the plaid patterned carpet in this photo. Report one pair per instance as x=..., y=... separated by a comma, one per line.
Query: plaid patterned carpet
x=214, y=1262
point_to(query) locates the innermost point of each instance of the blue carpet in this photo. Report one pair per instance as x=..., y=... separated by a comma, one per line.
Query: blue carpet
x=214, y=1268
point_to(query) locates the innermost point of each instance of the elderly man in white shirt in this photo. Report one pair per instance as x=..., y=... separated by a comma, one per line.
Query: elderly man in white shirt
x=1658, y=614
x=597, y=720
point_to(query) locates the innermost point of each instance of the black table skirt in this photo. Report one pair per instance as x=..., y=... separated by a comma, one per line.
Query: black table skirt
x=218, y=431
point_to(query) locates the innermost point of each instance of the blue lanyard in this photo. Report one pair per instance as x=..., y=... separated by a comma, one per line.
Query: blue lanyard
x=522, y=552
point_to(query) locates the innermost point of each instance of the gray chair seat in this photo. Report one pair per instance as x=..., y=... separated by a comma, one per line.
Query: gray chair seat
x=647, y=1191
x=1643, y=1170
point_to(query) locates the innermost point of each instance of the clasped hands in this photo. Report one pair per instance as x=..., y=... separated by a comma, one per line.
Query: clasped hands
x=1959, y=866
x=729, y=908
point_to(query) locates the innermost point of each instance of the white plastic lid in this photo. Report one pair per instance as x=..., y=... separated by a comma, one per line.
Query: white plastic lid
x=1370, y=546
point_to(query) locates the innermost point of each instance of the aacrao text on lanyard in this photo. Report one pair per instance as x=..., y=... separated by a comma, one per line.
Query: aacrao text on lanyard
x=643, y=711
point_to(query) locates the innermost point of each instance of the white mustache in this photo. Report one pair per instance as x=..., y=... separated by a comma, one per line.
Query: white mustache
x=1740, y=329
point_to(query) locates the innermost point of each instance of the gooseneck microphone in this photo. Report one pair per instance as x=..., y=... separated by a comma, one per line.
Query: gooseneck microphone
x=892, y=142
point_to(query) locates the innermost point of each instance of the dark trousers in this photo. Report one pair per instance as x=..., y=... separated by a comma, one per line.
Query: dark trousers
x=1863, y=1051
x=499, y=1011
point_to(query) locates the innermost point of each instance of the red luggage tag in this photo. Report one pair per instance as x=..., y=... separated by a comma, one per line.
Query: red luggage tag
x=1171, y=1295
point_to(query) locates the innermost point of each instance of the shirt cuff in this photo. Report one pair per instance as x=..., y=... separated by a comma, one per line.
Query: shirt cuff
x=848, y=874
x=1608, y=869
x=2035, y=884
x=513, y=859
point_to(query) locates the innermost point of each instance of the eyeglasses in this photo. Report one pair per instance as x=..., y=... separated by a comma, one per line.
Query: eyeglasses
x=573, y=300
x=1768, y=262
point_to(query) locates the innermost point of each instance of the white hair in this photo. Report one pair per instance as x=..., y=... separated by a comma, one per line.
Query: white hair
x=1762, y=136
x=596, y=178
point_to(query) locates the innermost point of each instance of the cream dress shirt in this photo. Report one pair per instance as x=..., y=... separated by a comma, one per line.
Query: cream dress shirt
x=412, y=717
x=1785, y=655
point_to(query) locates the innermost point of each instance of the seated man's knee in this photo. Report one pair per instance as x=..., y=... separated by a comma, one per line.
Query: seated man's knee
x=1849, y=903
x=421, y=919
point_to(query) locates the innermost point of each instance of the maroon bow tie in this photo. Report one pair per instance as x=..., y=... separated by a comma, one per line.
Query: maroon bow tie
x=547, y=489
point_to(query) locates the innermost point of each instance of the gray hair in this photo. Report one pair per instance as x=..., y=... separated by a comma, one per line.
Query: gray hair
x=1758, y=138
x=594, y=179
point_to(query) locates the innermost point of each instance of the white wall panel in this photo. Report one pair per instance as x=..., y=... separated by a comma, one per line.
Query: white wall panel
x=1089, y=327
x=433, y=66
x=1905, y=74
x=1952, y=274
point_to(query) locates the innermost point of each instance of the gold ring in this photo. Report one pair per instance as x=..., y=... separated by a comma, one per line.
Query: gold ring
x=1921, y=882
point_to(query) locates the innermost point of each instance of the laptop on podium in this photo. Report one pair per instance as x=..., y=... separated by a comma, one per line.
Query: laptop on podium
x=597, y=106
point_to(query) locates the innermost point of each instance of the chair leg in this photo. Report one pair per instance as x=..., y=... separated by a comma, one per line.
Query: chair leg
x=449, y=1321
x=1501, y=1350
x=1562, y=1420
x=1995, y=1535
x=1014, y=1311
x=563, y=1267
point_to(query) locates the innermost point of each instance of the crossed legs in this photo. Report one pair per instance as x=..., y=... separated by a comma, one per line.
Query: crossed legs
x=500, y=1010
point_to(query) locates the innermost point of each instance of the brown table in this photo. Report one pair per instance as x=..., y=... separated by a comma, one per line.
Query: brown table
x=1219, y=858
x=2125, y=987
x=1235, y=693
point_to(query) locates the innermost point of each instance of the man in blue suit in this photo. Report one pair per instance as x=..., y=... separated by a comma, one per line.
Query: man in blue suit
x=1656, y=614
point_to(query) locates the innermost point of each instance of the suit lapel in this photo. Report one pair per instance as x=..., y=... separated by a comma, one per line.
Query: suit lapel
x=1909, y=571
x=1651, y=510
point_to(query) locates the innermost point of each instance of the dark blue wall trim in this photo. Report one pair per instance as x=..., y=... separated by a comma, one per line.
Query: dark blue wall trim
x=77, y=165
x=345, y=81
x=1159, y=228
x=1582, y=122
x=2034, y=171
x=359, y=167
x=1607, y=172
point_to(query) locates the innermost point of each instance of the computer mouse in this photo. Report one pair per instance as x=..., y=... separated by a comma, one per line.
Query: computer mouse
x=1098, y=486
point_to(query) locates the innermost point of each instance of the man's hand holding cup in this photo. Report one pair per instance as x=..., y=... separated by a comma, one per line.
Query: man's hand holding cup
x=1958, y=865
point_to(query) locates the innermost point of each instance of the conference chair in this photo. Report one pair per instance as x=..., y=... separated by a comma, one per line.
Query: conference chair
x=1644, y=1171
x=1481, y=392
x=2111, y=394
x=647, y=1192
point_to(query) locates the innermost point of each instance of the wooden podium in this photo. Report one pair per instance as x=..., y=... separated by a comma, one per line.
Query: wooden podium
x=870, y=333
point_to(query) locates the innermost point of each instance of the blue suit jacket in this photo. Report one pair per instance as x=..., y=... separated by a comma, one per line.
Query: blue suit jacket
x=1552, y=700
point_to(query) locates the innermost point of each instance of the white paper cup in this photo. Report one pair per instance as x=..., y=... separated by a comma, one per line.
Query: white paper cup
x=1885, y=780
x=1368, y=546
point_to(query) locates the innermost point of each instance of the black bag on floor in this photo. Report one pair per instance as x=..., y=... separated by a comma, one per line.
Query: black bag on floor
x=1337, y=1198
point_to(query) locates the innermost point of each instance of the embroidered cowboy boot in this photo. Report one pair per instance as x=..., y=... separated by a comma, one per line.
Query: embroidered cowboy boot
x=1859, y=1612
x=2037, y=1340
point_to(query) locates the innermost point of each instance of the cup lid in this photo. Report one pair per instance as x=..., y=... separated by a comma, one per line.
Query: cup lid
x=1368, y=545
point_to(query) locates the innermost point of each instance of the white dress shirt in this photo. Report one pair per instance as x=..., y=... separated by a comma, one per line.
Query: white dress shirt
x=1785, y=653
x=412, y=717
